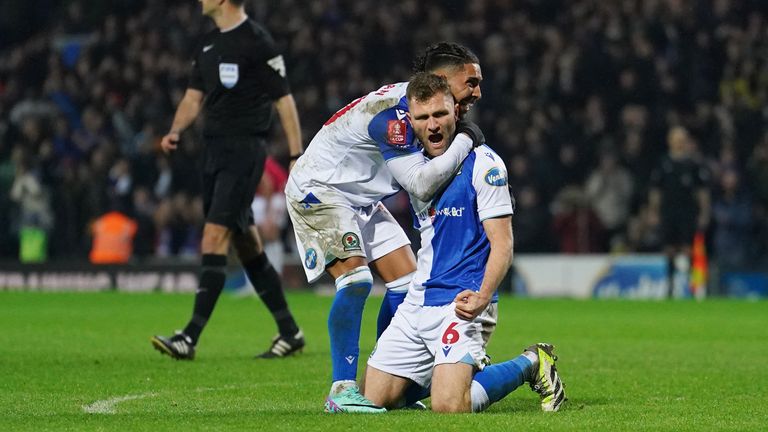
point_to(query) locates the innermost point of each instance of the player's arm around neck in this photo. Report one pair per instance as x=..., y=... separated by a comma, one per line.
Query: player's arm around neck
x=422, y=177
x=470, y=304
x=289, y=120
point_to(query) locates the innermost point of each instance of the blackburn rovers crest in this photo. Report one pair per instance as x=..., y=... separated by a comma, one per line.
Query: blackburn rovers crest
x=350, y=241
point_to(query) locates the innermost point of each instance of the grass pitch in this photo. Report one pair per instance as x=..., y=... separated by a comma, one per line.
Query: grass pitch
x=74, y=361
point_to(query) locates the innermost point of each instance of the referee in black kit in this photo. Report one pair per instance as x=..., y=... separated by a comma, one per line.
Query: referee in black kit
x=237, y=76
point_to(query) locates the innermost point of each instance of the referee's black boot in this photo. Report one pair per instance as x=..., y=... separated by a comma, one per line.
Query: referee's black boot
x=284, y=346
x=178, y=346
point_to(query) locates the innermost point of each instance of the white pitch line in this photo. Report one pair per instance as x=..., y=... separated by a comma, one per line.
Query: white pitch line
x=109, y=406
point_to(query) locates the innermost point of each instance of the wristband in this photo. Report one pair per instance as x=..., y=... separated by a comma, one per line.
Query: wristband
x=294, y=157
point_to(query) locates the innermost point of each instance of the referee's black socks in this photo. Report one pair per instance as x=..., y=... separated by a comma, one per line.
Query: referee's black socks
x=212, y=279
x=268, y=286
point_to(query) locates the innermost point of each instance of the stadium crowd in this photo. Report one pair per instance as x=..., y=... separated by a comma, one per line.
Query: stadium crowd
x=578, y=97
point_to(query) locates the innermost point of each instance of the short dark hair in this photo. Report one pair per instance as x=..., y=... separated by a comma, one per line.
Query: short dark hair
x=444, y=54
x=237, y=2
x=423, y=85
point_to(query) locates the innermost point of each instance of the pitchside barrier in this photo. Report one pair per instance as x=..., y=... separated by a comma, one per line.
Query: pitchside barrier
x=574, y=276
x=165, y=277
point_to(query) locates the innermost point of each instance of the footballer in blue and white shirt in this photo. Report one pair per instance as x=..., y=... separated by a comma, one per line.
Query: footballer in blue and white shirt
x=437, y=337
x=450, y=310
x=454, y=244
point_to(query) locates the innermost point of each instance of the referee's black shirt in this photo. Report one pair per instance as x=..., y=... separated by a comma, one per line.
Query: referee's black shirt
x=678, y=181
x=241, y=73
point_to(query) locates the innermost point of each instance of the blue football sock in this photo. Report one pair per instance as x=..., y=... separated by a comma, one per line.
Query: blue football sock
x=396, y=291
x=389, y=305
x=344, y=321
x=494, y=382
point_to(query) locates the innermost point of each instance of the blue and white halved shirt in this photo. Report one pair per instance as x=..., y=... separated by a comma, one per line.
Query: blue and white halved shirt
x=454, y=248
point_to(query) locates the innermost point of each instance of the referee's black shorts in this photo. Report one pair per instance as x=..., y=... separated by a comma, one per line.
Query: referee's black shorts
x=232, y=168
x=678, y=228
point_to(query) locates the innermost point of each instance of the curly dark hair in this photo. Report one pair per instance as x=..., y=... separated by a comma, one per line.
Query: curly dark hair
x=444, y=54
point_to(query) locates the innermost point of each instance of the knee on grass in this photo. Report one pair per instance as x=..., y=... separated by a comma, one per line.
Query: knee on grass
x=451, y=404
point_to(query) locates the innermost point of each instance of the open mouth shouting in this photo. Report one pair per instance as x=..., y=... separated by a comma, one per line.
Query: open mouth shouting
x=435, y=138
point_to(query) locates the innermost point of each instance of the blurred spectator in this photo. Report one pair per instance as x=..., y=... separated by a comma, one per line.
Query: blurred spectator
x=519, y=172
x=757, y=170
x=576, y=225
x=531, y=222
x=35, y=215
x=179, y=224
x=121, y=183
x=609, y=190
x=72, y=217
x=270, y=213
x=143, y=213
x=113, y=234
x=568, y=168
x=8, y=243
x=93, y=132
x=644, y=231
x=732, y=217
x=164, y=176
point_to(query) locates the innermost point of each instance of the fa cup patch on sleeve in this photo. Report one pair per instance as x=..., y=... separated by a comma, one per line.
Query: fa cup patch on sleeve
x=396, y=131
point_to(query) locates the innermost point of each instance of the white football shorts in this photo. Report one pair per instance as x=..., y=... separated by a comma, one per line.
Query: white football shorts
x=325, y=232
x=421, y=337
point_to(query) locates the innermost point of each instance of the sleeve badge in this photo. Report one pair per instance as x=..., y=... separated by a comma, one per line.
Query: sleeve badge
x=396, y=132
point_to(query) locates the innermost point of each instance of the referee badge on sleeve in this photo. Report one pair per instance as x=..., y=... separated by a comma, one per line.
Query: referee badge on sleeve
x=228, y=74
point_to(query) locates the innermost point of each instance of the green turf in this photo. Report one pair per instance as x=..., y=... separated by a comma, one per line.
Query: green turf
x=628, y=365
